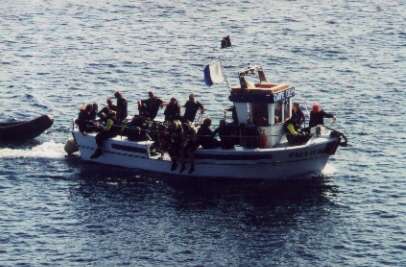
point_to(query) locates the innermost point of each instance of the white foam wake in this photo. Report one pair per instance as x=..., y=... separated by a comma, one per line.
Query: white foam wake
x=49, y=150
x=329, y=169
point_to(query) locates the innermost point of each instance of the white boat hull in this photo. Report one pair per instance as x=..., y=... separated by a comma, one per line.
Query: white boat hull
x=290, y=162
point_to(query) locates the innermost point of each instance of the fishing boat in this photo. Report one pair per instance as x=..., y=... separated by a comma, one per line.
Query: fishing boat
x=262, y=104
x=21, y=131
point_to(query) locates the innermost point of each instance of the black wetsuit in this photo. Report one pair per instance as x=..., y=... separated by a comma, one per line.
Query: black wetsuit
x=92, y=115
x=191, y=108
x=297, y=118
x=83, y=120
x=294, y=137
x=225, y=133
x=316, y=118
x=175, y=145
x=172, y=112
x=102, y=114
x=151, y=106
x=109, y=131
x=106, y=133
x=121, y=109
x=190, y=142
x=206, y=137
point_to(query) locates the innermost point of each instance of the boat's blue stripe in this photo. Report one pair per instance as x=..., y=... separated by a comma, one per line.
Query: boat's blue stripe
x=129, y=148
x=233, y=157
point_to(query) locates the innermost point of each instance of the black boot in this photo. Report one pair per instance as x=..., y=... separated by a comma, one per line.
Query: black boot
x=97, y=153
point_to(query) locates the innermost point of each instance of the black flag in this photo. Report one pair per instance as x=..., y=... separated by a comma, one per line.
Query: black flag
x=226, y=42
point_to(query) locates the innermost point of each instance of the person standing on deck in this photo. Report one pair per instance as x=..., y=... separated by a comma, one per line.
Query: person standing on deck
x=317, y=115
x=121, y=107
x=191, y=108
x=150, y=107
x=172, y=110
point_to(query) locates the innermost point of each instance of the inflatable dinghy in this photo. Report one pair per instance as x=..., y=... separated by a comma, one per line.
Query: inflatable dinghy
x=20, y=131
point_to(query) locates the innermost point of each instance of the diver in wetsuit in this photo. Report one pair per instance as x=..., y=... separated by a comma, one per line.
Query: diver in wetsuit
x=107, y=131
x=172, y=110
x=103, y=113
x=84, y=120
x=93, y=111
x=175, y=142
x=225, y=133
x=191, y=108
x=121, y=107
x=206, y=136
x=150, y=107
x=297, y=117
x=293, y=135
x=189, y=146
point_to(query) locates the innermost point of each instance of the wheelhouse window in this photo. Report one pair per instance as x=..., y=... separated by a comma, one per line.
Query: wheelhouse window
x=260, y=114
x=278, y=112
x=287, y=108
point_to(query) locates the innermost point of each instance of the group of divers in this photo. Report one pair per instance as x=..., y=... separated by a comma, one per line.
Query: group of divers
x=178, y=135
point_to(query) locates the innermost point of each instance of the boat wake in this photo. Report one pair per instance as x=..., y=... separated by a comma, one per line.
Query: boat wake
x=47, y=150
x=328, y=170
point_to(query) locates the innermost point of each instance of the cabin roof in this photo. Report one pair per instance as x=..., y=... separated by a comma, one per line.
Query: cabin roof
x=262, y=93
x=263, y=88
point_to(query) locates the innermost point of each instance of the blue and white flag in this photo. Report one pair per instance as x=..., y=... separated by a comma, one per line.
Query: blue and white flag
x=213, y=73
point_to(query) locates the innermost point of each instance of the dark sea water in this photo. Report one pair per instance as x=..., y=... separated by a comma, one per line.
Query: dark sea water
x=348, y=55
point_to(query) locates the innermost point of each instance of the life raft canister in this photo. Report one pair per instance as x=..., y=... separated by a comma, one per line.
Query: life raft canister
x=262, y=139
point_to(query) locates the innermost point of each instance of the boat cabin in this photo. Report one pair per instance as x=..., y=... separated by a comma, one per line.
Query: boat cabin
x=263, y=104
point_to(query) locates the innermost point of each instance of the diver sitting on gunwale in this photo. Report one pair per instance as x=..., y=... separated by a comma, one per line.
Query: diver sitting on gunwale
x=109, y=130
x=86, y=119
x=103, y=113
